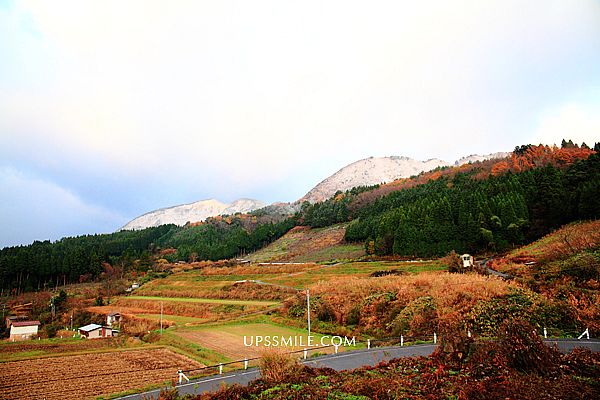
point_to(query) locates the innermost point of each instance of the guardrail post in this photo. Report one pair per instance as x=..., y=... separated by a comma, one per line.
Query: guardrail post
x=305, y=353
x=182, y=376
x=368, y=343
x=434, y=338
x=335, y=347
x=246, y=363
x=545, y=333
x=401, y=340
x=586, y=333
x=220, y=368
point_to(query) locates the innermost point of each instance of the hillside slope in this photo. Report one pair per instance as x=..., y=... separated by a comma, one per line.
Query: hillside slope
x=302, y=244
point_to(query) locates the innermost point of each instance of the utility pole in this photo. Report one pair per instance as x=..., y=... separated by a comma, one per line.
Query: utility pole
x=161, y=313
x=308, y=309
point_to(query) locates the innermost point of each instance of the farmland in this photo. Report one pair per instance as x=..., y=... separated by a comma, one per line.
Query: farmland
x=228, y=339
x=88, y=375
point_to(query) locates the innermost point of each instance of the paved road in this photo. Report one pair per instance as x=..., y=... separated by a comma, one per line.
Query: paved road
x=496, y=273
x=343, y=361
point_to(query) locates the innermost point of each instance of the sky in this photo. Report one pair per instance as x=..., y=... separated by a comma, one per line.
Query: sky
x=110, y=109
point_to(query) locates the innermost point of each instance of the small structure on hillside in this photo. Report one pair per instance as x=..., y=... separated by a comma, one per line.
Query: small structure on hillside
x=95, y=331
x=23, y=330
x=113, y=318
x=467, y=261
x=14, y=318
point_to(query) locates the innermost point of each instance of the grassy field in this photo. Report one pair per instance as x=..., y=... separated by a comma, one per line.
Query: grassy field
x=228, y=339
x=12, y=351
x=205, y=301
x=172, y=319
x=357, y=269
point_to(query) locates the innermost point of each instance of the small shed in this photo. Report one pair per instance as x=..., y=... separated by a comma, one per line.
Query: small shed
x=23, y=330
x=95, y=331
x=467, y=261
x=113, y=318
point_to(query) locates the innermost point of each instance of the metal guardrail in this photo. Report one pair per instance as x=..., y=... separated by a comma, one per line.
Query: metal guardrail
x=184, y=374
x=402, y=340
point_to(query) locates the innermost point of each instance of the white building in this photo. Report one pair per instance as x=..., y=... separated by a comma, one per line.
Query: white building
x=113, y=318
x=23, y=330
x=95, y=331
x=467, y=261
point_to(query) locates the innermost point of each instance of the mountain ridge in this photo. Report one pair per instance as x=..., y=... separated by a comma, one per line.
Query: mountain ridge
x=374, y=170
x=366, y=172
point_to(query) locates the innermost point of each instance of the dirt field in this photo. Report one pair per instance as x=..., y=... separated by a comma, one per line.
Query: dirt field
x=88, y=375
x=229, y=339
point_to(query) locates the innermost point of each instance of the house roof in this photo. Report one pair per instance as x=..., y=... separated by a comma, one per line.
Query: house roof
x=26, y=323
x=113, y=314
x=90, y=327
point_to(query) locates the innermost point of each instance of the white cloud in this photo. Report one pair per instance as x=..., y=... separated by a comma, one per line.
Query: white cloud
x=198, y=99
x=33, y=209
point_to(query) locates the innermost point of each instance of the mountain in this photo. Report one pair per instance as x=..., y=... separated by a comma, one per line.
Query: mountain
x=367, y=172
x=375, y=170
x=192, y=212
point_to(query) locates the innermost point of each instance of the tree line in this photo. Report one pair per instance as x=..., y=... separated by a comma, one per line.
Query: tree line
x=45, y=264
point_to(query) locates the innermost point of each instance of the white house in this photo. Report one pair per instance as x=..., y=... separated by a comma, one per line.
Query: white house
x=467, y=261
x=95, y=331
x=23, y=330
x=113, y=318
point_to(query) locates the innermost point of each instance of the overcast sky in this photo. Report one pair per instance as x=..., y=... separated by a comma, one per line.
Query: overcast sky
x=109, y=109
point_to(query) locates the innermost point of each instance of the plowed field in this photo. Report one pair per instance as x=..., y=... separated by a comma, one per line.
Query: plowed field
x=89, y=375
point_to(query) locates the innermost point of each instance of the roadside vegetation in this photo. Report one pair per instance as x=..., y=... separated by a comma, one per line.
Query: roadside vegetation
x=518, y=366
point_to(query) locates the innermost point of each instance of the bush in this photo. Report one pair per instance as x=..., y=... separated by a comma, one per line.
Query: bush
x=525, y=350
x=452, y=262
x=276, y=367
x=51, y=330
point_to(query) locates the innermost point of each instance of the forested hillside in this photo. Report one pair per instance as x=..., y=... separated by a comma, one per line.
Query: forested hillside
x=484, y=206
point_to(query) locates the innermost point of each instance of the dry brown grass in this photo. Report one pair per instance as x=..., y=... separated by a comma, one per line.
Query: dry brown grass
x=238, y=291
x=568, y=240
x=256, y=269
x=379, y=300
x=448, y=289
x=199, y=310
x=276, y=366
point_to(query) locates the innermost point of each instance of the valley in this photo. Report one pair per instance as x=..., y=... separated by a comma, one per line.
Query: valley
x=379, y=264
